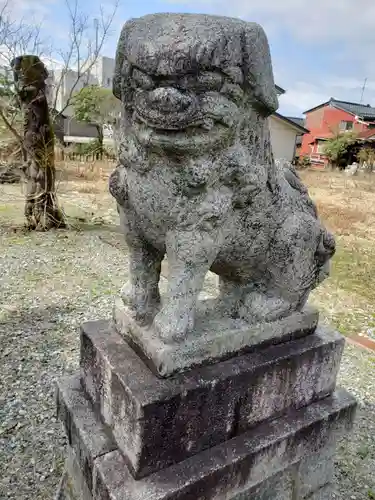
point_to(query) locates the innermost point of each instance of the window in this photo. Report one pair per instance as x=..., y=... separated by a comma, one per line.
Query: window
x=320, y=147
x=345, y=125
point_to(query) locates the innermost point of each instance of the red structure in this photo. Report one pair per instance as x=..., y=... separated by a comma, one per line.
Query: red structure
x=327, y=119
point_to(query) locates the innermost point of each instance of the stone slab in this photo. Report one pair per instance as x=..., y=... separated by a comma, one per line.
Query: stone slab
x=236, y=466
x=87, y=436
x=157, y=422
x=298, y=481
x=77, y=487
x=215, y=337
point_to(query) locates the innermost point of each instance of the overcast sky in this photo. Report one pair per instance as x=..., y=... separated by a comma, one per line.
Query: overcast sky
x=320, y=49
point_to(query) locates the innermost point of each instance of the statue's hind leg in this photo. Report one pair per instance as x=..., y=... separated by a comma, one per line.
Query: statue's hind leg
x=250, y=302
x=291, y=274
x=231, y=296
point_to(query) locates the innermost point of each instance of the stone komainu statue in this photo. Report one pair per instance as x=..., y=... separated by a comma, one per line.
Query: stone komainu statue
x=197, y=180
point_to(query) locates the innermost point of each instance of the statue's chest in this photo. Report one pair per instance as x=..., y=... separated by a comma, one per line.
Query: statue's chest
x=163, y=191
x=167, y=198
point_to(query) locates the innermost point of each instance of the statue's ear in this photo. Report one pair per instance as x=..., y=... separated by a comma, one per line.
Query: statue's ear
x=15, y=64
x=45, y=72
x=257, y=69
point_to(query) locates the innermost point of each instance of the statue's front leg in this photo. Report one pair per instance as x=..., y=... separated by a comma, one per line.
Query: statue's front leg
x=141, y=292
x=190, y=255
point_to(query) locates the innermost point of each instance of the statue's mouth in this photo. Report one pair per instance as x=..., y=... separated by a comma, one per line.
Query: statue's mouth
x=173, y=122
x=170, y=126
x=192, y=139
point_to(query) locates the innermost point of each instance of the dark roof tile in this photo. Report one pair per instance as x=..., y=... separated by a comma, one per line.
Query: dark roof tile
x=362, y=110
x=297, y=120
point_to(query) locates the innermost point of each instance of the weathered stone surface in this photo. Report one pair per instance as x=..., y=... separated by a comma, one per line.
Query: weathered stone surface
x=87, y=436
x=214, y=337
x=77, y=487
x=298, y=481
x=324, y=493
x=308, y=479
x=236, y=465
x=280, y=486
x=315, y=471
x=197, y=180
x=157, y=422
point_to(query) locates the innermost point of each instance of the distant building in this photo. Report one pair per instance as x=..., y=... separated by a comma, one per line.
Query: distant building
x=330, y=118
x=285, y=133
x=62, y=83
x=102, y=71
x=301, y=122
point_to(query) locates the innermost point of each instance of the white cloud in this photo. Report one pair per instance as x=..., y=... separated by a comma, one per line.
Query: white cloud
x=321, y=21
x=338, y=32
x=31, y=11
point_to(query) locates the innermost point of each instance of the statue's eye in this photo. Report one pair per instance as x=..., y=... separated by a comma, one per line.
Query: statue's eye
x=203, y=82
x=233, y=91
x=142, y=80
x=209, y=81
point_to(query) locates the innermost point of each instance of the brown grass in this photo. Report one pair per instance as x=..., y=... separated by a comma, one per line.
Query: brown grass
x=88, y=177
x=86, y=171
x=347, y=207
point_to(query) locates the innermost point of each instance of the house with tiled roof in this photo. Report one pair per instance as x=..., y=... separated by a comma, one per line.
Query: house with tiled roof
x=329, y=118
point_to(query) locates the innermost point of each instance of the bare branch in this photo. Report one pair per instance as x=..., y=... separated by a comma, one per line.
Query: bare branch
x=10, y=126
x=81, y=55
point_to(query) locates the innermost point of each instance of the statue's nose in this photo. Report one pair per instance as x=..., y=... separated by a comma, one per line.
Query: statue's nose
x=169, y=100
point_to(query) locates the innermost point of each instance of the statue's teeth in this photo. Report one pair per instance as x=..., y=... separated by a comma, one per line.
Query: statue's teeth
x=208, y=124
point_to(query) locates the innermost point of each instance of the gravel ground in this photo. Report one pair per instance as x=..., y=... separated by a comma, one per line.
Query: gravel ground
x=52, y=282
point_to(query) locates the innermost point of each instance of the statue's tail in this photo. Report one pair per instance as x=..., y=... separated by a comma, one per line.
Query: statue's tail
x=325, y=251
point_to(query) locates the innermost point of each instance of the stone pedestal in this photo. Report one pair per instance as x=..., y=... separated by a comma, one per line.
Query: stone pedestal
x=261, y=425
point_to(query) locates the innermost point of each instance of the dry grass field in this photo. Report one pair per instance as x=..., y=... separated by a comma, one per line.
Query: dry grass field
x=347, y=206
x=51, y=282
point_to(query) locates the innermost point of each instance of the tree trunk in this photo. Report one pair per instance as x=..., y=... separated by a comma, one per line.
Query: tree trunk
x=41, y=208
x=99, y=128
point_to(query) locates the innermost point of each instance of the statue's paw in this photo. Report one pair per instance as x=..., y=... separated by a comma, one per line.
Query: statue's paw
x=142, y=304
x=128, y=295
x=260, y=308
x=172, y=326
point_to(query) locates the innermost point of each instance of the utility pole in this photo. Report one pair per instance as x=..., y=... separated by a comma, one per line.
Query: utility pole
x=363, y=90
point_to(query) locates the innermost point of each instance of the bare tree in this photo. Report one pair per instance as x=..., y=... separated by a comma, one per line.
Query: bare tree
x=41, y=208
x=85, y=44
x=18, y=39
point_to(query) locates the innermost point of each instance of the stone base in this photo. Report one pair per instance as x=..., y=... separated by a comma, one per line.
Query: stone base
x=158, y=422
x=214, y=338
x=286, y=459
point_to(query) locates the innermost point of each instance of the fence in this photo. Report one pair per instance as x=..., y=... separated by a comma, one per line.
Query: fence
x=61, y=155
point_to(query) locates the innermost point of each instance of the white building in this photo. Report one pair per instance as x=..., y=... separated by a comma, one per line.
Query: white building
x=284, y=134
x=62, y=83
x=102, y=71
